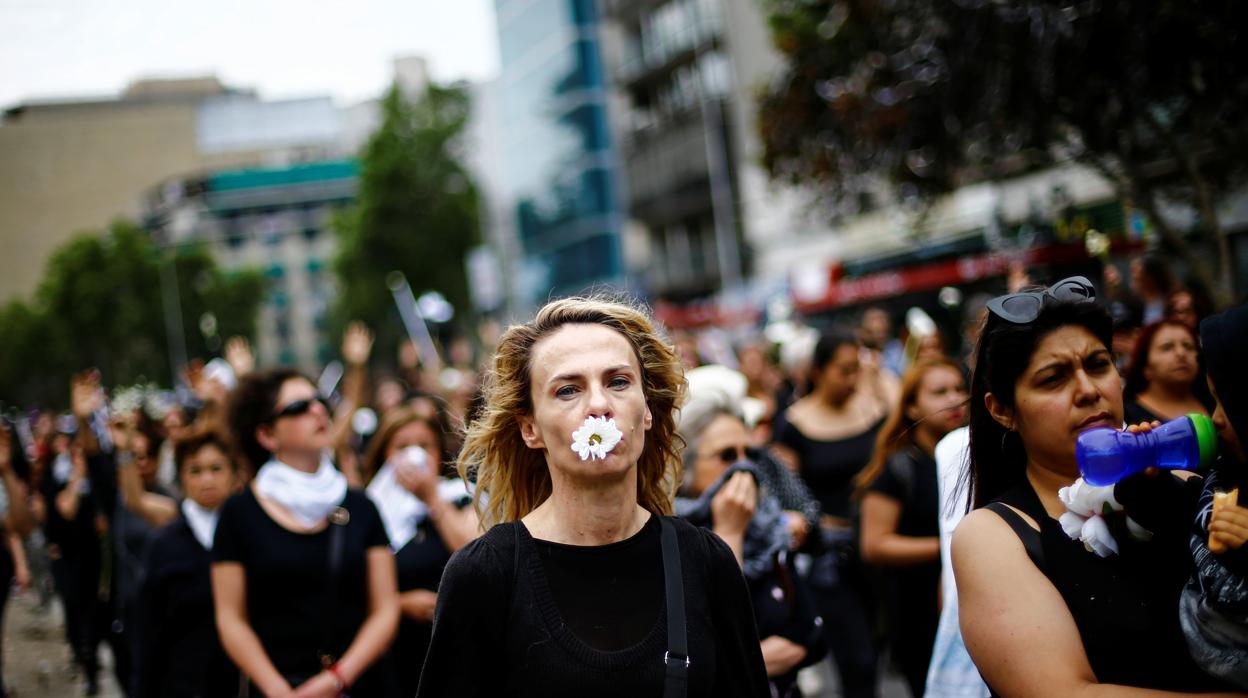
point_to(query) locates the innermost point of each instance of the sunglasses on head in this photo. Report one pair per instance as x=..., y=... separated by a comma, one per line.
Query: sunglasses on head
x=299, y=407
x=1022, y=308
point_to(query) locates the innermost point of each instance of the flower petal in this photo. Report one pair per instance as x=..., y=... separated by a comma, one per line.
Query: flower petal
x=1072, y=524
x=1097, y=538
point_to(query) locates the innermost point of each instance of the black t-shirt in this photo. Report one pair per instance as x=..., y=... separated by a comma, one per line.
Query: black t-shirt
x=287, y=582
x=179, y=652
x=910, y=478
x=499, y=630
x=609, y=595
x=829, y=467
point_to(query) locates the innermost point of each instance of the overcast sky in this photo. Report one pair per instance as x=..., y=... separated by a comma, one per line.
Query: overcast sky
x=282, y=48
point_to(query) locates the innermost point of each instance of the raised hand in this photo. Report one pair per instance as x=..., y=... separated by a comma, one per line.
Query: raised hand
x=6, y=450
x=733, y=506
x=239, y=356
x=85, y=394
x=357, y=344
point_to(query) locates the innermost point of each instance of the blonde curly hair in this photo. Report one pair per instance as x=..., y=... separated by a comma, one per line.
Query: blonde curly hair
x=511, y=478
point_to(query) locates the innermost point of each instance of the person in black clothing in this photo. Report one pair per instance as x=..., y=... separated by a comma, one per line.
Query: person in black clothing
x=1042, y=614
x=16, y=521
x=177, y=649
x=427, y=518
x=1166, y=378
x=828, y=436
x=729, y=493
x=303, y=579
x=568, y=595
x=900, y=510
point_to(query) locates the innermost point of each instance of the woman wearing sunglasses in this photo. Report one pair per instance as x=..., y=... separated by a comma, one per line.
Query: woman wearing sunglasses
x=303, y=578
x=1040, y=613
x=735, y=496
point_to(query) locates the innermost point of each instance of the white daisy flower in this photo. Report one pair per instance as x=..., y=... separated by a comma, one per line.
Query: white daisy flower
x=596, y=437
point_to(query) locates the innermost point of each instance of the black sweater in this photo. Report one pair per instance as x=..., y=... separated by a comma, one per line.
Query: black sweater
x=498, y=630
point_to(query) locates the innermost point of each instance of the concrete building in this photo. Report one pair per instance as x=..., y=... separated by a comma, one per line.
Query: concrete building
x=274, y=219
x=559, y=169
x=72, y=165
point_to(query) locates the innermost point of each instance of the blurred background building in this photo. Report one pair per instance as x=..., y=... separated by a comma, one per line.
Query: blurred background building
x=559, y=168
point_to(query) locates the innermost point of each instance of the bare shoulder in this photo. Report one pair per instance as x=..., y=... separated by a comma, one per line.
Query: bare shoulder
x=984, y=539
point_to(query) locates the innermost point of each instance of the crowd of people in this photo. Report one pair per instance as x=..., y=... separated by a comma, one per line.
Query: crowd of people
x=586, y=504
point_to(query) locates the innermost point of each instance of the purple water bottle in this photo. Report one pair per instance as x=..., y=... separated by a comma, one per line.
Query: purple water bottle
x=1106, y=456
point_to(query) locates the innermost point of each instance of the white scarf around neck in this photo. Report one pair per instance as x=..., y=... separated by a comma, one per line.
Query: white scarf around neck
x=201, y=521
x=309, y=497
x=401, y=511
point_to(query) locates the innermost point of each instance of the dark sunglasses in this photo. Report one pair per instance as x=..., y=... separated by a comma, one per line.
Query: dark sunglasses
x=299, y=407
x=1022, y=308
x=730, y=455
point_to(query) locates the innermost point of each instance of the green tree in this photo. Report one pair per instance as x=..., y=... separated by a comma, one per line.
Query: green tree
x=417, y=211
x=931, y=94
x=99, y=304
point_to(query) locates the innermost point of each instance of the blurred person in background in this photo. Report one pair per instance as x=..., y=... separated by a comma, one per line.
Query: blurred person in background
x=763, y=382
x=728, y=493
x=900, y=530
x=427, y=519
x=303, y=579
x=1166, y=378
x=1152, y=283
x=77, y=499
x=875, y=331
x=178, y=652
x=829, y=436
x=16, y=523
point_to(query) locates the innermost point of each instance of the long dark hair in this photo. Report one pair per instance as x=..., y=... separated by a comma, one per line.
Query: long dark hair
x=825, y=350
x=998, y=460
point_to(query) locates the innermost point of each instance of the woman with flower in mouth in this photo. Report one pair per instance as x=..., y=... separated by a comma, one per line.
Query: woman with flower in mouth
x=585, y=584
x=1044, y=614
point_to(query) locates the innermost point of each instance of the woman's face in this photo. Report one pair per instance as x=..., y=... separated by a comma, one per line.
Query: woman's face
x=307, y=431
x=208, y=478
x=1069, y=386
x=1172, y=357
x=723, y=443
x=580, y=371
x=940, y=403
x=839, y=378
x=415, y=434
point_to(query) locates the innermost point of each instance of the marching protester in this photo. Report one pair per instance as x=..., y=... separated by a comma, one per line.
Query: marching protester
x=1165, y=379
x=900, y=530
x=1043, y=613
x=303, y=580
x=16, y=523
x=178, y=652
x=426, y=517
x=584, y=584
x=829, y=435
x=728, y=492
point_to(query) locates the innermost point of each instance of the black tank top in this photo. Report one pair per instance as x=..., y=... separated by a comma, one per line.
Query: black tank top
x=1126, y=606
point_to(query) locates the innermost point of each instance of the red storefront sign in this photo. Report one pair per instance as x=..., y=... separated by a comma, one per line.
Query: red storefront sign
x=929, y=277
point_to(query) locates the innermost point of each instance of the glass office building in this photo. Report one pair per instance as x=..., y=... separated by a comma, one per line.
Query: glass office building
x=559, y=163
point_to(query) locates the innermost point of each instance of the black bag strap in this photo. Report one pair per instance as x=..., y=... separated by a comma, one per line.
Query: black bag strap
x=676, y=658
x=1028, y=535
x=338, y=520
